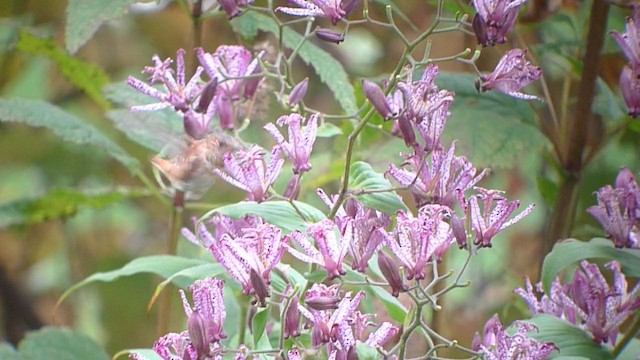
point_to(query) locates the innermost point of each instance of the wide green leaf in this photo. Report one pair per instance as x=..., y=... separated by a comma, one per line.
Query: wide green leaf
x=570, y=340
x=7, y=352
x=84, y=17
x=566, y=253
x=59, y=343
x=491, y=129
x=327, y=130
x=258, y=324
x=188, y=276
x=88, y=77
x=162, y=265
x=278, y=213
x=38, y=113
x=59, y=204
x=329, y=70
x=143, y=354
x=362, y=177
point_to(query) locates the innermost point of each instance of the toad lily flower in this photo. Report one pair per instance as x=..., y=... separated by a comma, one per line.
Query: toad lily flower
x=335, y=10
x=440, y=181
x=494, y=216
x=512, y=73
x=249, y=259
x=206, y=320
x=496, y=344
x=248, y=171
x=298, y=148
x=588, y=301
x=416, y=240
x=494, y=19
x=331, y=247
x=385, y=332
x=190, y=100
x=618, y=210
x=629, y=42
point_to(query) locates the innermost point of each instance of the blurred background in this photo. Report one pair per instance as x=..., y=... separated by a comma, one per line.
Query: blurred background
x=47, y=243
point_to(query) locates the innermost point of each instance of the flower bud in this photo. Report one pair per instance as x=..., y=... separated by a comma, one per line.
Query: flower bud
x=390, y=272
x=207, y=95
x=329, y=36
x=298, y=92
x=292, y=191
x=230, y=7
x=292, y=319
x=457, y=227
x=259, y=286
x=630, y=87
x=251, y=86
x=406, y=130
x=322, y=303
x=376, y=96
x=225, y=113
x=198, y=334
x=193, y=127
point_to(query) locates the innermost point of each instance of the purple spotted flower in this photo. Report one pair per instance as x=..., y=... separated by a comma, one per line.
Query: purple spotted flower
x=629, y=40
x=438, y=181
x=301, y=139
x=588, y=302
x=618, y=210
x=189, y=99
x=494, y=19
x=418, y=240
x=630, y=88
x=421, y=105
x=494, y=216
x=379, y=337
x=249, y=171
x=221, y=225
x=330, y=248
x=331, y=326
x=233, y=7
x=496, y=344
x=248, y=259
x=335, y=10
x=512, y=73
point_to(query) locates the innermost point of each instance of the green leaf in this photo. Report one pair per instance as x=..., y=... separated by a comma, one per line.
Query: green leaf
x=327, y=130
x=144, y=354
x=38, y=113
x=278, y=213
x=362, y=177
x=59, y=343
x=607, y=104
x=366, y=352
x=162, y=265
x=7, y=352
x=84, y=17
x=329, y=70
x=188, y=276
x=570, y=340
x=59, y=204
x=492, y=129
x=87, y=77
x=566, y=253
x=258, y=324
x=295, y=278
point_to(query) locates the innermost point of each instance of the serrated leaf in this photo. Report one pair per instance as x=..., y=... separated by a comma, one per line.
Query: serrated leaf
x=162, y=265
x=570, y=340
x=258, y=324
x=278, y=213
x=327, y=130
x=38, y=113
x=362, y=177
x=328, y=69
x=84, y=17
x=566, y=253
x=58, y=204
x=59, y=343
x=491, y=129
x=88, y=77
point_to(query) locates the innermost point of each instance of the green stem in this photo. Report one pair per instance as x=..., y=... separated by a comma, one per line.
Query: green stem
x=164, y=306
x=242, y=321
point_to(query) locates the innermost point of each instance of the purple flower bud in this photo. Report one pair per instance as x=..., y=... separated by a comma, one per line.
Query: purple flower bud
x=457, y=227
x=329, y=36
x=193, y=127
x=292, y=191
x=226, y=114
x=376, y=96
x=230, y=7
x=198, y=334
x=298, y=92
x=321, y=303
x=630, y=87
x=207, y=96
x=292, y=318
x=391, y=273
x=406, y=130
x=259, y=287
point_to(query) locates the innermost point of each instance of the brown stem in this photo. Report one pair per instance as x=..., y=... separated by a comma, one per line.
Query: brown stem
x=574, y=134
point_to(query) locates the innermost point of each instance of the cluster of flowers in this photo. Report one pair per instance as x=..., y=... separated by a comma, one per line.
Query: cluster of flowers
x=629, y=42
x=618, y=210
x=587, y=301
